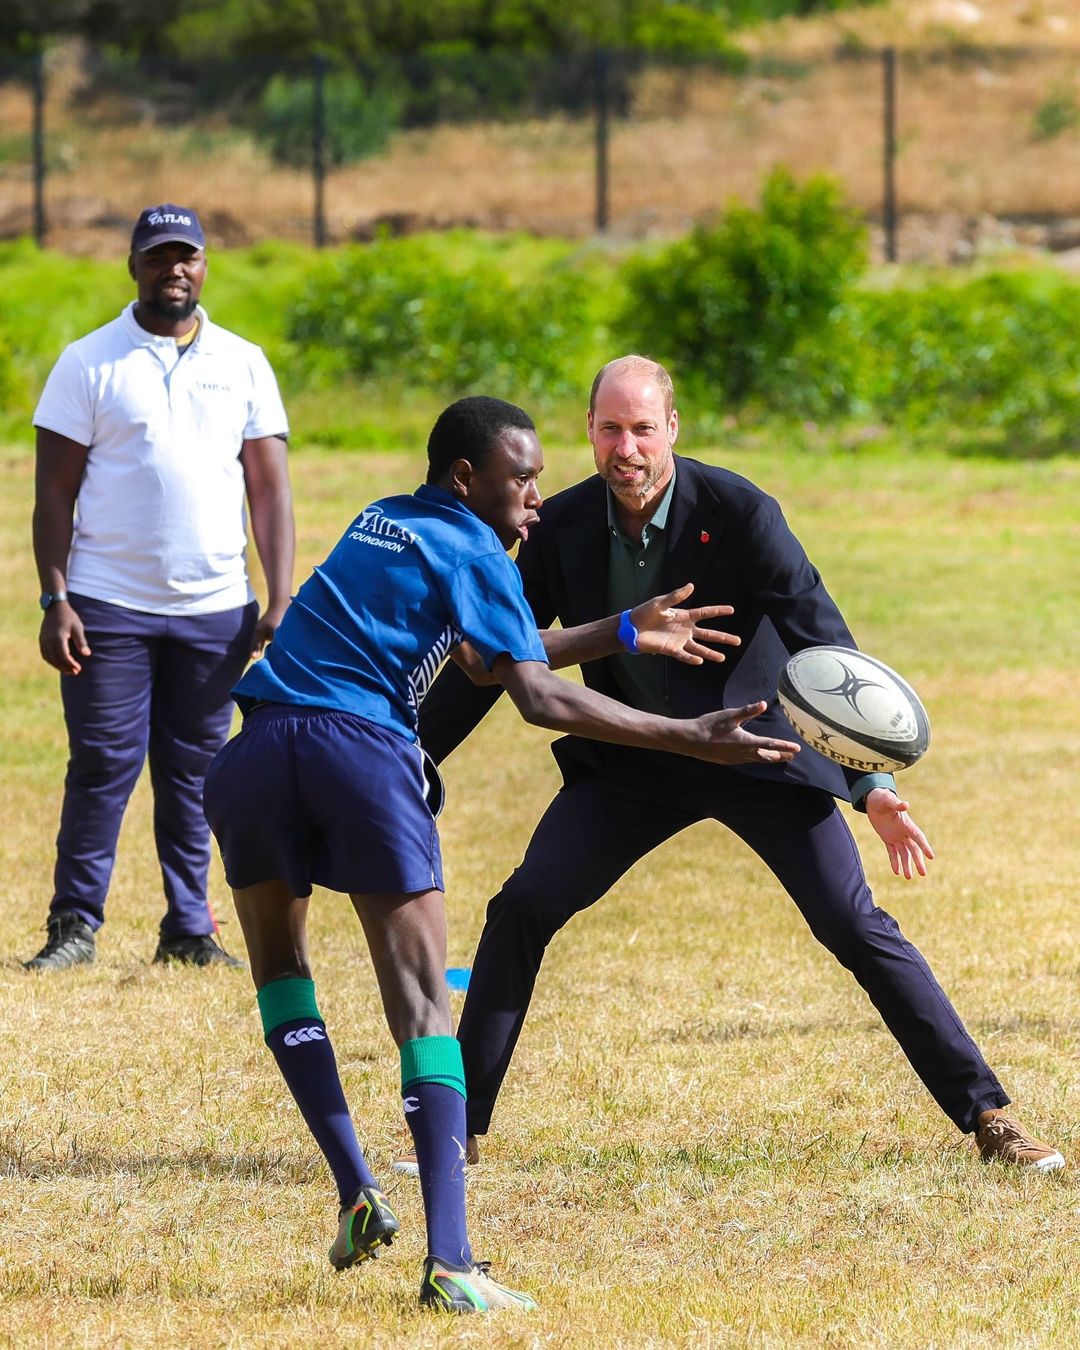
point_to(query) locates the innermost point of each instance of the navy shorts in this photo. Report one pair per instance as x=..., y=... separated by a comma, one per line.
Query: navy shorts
x=310, y=796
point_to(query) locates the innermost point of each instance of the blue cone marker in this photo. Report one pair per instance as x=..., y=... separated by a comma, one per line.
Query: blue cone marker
x=457, y=977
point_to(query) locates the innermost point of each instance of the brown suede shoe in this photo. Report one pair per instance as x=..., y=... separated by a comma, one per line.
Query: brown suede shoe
x=405, y=1164
x=999, y=1136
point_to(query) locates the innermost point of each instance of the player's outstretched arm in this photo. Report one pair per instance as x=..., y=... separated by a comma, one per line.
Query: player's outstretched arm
x=907, y=846
x=662, y=629
x=545, y=700
x=665, y=630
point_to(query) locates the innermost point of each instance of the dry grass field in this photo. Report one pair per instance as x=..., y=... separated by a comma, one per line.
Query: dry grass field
x=707, y=1139
x=969, y=145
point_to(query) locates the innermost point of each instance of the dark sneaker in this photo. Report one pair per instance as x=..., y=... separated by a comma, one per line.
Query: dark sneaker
x=467, y=1289
x=363, y=1227
x=195, y=951
x=71, y=943
x=999, y=1136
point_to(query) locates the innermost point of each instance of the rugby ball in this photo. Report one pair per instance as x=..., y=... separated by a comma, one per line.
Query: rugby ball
x=854, y=709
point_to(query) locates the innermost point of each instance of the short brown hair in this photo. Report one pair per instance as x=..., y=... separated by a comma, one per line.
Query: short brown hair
x=637, y=365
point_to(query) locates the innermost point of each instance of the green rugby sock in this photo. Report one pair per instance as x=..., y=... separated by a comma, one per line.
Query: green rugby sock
x=287, y=1000
x=433, y=1086
x=296, y=1035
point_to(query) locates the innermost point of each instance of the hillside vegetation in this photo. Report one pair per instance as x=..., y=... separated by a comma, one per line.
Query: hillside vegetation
x=192, y=30
x=770, y=314
x=988, y=146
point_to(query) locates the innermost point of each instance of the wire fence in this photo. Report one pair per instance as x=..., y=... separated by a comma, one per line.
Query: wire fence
x=946, y=152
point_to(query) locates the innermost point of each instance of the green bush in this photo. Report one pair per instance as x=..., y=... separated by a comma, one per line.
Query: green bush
x=996, y=359
x=369, y=342
x=401, y=310
x=748, y=305
x=1057, y=113
x=358, y=119
x=681, y=28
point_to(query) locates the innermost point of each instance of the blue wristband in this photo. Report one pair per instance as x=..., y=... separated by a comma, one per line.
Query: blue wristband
x=628, y=634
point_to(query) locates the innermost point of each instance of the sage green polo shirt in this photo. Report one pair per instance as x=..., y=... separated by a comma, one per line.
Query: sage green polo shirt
x=634, y=567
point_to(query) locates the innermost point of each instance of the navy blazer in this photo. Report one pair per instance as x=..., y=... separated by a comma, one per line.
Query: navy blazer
x=731, y=540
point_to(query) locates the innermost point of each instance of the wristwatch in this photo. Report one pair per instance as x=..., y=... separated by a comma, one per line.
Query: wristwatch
x=51, y=597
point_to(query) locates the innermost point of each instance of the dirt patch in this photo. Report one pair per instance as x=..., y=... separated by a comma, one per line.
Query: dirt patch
x=85, y=227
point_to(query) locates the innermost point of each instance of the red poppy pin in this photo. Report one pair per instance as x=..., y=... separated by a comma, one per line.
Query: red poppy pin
x=704, y=536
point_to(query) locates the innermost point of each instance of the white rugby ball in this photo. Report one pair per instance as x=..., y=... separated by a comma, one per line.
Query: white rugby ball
x=854, y=709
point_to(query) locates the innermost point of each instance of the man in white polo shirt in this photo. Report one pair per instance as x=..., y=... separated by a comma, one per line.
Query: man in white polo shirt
x=151, y=433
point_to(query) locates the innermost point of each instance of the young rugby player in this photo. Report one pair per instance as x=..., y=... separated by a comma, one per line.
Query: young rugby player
x=327, y=785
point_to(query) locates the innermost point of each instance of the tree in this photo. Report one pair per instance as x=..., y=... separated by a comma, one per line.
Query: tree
x=134, y=25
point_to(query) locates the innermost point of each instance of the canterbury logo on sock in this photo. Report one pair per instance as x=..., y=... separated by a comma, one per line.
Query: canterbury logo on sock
x=304, y=1034
x=411, y=1104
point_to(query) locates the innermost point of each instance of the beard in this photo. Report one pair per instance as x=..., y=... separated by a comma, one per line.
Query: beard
x=653, y=471
x=172, y=310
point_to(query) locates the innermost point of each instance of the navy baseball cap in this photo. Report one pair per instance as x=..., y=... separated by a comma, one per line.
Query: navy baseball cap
x=167, y=224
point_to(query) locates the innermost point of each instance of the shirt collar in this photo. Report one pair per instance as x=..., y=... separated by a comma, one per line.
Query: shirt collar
x=440, y=496
x=659, y=518
x=433, y=493
x=142, y=337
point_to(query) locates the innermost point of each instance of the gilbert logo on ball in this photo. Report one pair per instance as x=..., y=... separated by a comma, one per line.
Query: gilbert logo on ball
x=854, y=709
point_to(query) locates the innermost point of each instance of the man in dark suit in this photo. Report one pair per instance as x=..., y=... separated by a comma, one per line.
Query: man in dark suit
x=647, y=522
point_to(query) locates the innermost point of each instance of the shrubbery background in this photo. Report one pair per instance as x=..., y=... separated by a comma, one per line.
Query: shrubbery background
x=746, y=308
x=406, y=312
x=770, y=314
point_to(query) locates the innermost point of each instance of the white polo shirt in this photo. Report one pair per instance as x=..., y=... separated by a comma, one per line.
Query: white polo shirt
x=160, y=520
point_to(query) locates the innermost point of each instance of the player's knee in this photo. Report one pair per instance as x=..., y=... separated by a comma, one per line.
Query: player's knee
x=860, y=936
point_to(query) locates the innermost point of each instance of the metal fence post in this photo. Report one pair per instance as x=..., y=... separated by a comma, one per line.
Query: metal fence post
x=888, y=58
x=600, y=98
x=37, y=81
x=318, y=146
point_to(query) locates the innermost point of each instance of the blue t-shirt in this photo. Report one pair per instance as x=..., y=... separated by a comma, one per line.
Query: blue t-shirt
x=410, y=578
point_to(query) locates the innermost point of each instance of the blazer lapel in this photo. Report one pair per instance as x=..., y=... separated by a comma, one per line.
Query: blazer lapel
x=694, y=533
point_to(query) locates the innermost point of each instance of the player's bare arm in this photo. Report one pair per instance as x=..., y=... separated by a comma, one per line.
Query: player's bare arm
x=266, y=480
x=544, y=699
x=662, y=630
x=59, y=467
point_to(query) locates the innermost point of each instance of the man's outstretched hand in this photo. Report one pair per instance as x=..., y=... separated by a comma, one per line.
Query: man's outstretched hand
x=908, y=848
x=664, y=630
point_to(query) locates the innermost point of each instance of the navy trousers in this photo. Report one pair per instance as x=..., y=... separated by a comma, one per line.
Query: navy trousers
x=158, y=685
x=602, y=823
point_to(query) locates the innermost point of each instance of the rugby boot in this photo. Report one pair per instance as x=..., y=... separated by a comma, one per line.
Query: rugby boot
x=467, y=1289
x=364, y=1225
